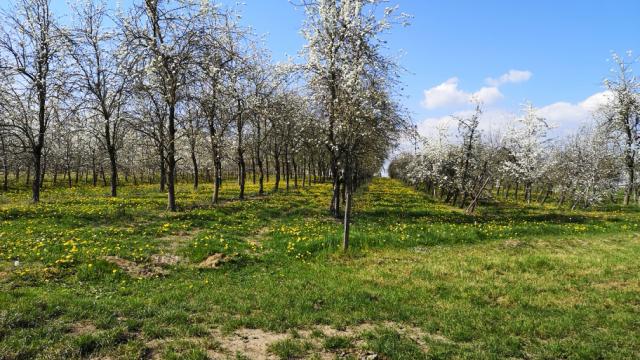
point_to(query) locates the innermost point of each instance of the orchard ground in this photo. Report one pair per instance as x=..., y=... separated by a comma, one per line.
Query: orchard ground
x=83, y=275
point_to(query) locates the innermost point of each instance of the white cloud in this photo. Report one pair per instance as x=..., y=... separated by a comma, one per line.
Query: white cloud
x=567, y=117
x=444, y=94
x=512, y=76
x=491, y=121
x=488, y=95
x=564, y=117
x=596, y=101
x=448, y=94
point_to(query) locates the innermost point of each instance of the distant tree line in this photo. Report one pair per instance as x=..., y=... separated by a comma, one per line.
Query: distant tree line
x=525, y=163
x=169, y=90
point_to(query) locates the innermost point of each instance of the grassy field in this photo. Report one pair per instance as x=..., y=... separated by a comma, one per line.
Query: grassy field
x=86, y=276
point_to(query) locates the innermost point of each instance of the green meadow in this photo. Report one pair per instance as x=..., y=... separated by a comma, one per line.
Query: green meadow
x=83, y=275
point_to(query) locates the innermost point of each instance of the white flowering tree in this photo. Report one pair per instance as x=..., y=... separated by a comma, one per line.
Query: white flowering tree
x=351, y=81
x=435, y=164
x=5, y=158
x=102, y=77
x=469, y=135
x=164, y=36
x=527, y=142
x=592, y=164
x=220, y=41
x=620, y=116
x=30, y=62
x=267, y=83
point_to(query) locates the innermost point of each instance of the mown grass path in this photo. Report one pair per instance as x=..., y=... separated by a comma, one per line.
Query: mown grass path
x=422, y=280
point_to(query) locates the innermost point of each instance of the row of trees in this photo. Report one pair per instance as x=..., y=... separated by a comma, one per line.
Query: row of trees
x=171, y=87
x=582, y=170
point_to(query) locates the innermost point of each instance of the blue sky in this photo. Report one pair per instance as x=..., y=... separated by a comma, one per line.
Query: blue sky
x=563, y=45
x=558, y=48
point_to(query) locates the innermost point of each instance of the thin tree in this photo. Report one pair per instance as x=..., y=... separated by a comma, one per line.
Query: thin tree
x=165, y=37
x=29, y=46
x=622, y=115
x=102, y=76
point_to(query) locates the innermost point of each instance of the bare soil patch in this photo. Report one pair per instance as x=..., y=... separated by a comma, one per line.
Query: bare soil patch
x=82, y=328
x=166, y=259
x=513, y=243
x=214, y=261
x=134, y=269
x=172, y=242
x=254, y=343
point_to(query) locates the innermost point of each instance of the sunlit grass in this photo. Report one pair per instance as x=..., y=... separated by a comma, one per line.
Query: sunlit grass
x=511, y=281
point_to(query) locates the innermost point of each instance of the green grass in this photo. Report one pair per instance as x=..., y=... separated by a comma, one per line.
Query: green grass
x=512, y=281
x=391, y=344
x=289, y=348
x=337, y=342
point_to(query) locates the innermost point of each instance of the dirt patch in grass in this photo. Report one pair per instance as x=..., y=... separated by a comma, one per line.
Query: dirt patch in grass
x=262, y=232
x=421, y=249
x=82, y=328
x=173, y=242
x=256, y=343
x=166, y=259
x=134, y=269
x=414, y=333
x=257, y=240
x=251, y=343
x=513, y=243
x=214, y=261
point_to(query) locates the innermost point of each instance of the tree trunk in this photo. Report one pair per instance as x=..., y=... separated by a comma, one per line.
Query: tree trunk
x=546, y=194
x=217, y=175
x=94, y=170
x=276, y=159
x=472, y=206
x=35, y=187
x=286, y=166
x=631, y=174
x=295, y=172
x=5, y=166
x=113, y=163
x=171, y=160
x=44, y=169
x=5, y=180
x=163, y=159
x=5, y=174
x=217, y=163
x=465, y=194
x=266, y=160
x=194, y=160
x=241, y=172
x=261, y=173
x=304, y=173
x=242, y=175
x=253, y=169
x=310, y=171
x=347, y=209
x=104, y=179
x=335, y=200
